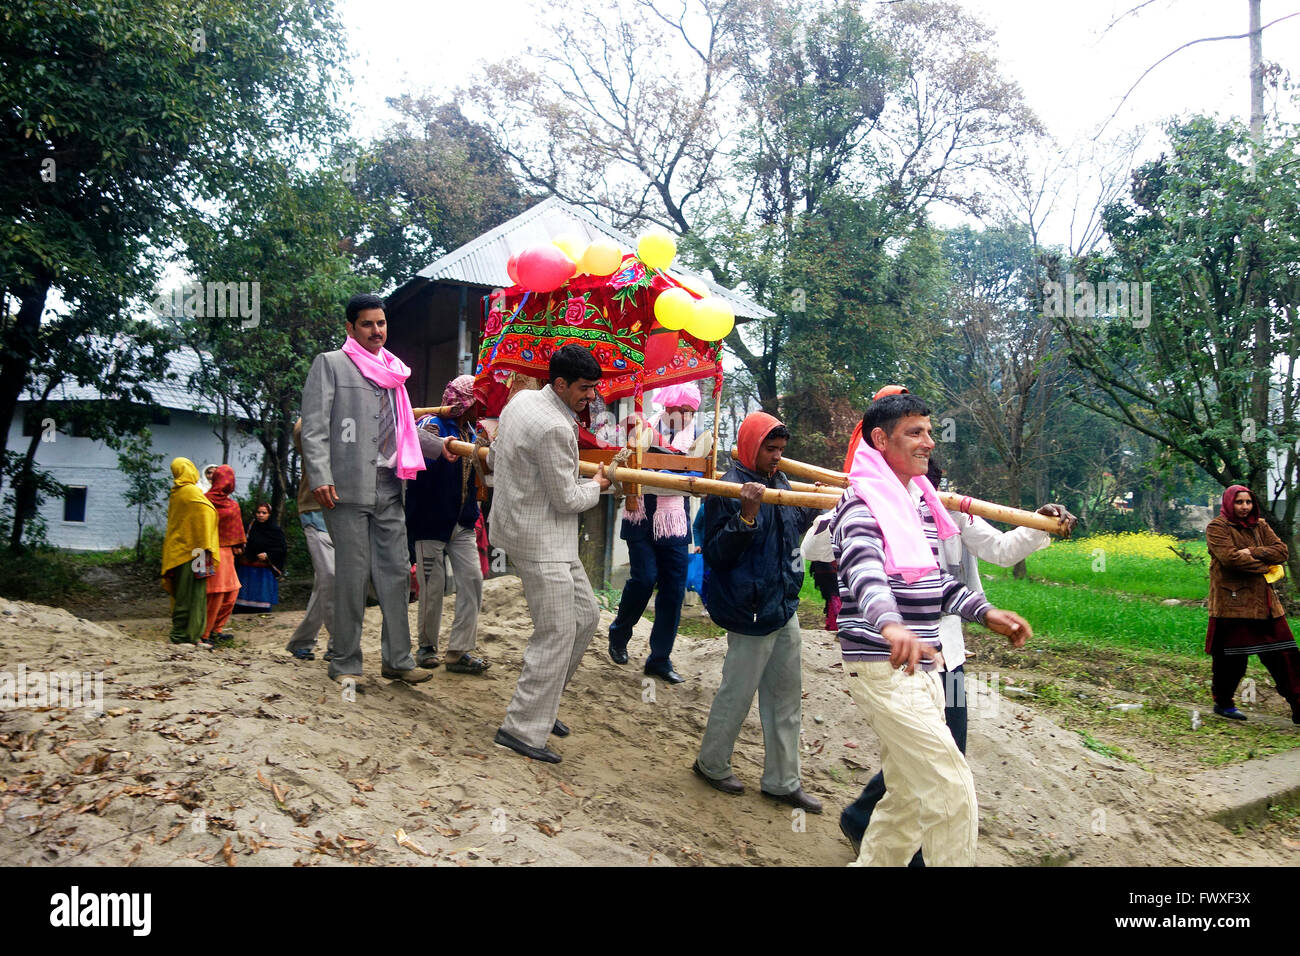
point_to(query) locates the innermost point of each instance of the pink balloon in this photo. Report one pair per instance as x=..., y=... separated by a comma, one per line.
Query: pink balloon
x=512, y=269
x=544, y=268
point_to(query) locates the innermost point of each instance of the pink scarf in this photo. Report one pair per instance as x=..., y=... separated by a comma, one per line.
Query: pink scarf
x=388, y=371
x=907, y=553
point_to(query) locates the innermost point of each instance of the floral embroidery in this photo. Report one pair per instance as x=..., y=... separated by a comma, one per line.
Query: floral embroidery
x=633, y=272
x=575, y=310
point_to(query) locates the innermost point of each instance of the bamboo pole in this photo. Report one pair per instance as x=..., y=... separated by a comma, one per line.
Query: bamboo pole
x=687, y=483
x=433, y=410
x=795, y=498
x=954, y=502
x=717, y=426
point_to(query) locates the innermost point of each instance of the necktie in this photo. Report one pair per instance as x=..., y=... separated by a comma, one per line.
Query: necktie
x=387, y=437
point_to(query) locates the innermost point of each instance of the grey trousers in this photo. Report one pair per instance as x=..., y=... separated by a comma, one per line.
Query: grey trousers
x=320, y=606
x=370, y=546
x=462, y=549
x=565, y=615
x=771, y=666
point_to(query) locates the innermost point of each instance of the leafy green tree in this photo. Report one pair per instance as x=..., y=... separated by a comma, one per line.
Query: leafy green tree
x=147, y=480
x=117, y=118
x=432, y=182
x=1207, y=368
x=288, y=234
x=793, y=147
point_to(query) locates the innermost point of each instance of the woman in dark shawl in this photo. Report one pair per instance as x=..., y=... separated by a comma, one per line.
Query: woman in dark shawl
x=262, y=562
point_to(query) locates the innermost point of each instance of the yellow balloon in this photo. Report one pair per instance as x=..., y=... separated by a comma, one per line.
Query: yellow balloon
x=602, y=258
x=656, y=248
x=710, y=319
x=571, y=245
x=695, y=285
x=673, y=308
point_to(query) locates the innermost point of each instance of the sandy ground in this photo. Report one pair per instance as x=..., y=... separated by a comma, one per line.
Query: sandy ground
x=244, y=756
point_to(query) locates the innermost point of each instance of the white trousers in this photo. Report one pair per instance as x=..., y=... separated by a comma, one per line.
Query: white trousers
x=930, y=802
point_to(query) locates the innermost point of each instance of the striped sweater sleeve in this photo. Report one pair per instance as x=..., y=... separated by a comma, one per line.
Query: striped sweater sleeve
x=859, y=548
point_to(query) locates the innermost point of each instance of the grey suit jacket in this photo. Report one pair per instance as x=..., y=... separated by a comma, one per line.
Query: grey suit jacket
x=538, y=494
x=340, y=427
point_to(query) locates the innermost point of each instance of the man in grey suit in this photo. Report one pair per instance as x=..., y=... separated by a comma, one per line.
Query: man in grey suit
x=535, y=506
x=356, y=449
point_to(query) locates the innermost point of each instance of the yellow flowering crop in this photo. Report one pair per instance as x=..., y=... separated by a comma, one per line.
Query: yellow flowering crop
x=1134, y=544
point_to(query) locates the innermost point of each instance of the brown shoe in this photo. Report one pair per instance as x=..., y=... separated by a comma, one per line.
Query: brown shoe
x=358, y=682
x=797, y=798
x=731, y=784
x=414, y=675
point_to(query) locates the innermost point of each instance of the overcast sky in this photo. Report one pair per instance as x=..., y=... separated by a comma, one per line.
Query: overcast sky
x=1072, y=75
x=1074, y=72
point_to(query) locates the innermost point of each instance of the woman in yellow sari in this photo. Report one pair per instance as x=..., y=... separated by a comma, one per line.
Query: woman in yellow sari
x=190, y=552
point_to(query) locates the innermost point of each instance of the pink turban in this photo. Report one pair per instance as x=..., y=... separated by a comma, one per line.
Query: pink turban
x=679, y=396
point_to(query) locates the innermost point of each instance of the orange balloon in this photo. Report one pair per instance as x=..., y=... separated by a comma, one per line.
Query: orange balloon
x=602, y=258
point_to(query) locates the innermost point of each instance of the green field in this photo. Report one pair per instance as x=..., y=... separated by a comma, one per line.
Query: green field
x=1106, y=590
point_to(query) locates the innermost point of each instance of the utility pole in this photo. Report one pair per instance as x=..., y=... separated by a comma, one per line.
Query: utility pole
x=1263, y=319
x=1256, y=74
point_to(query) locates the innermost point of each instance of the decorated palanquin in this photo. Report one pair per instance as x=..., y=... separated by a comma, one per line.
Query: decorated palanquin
x=614, y=317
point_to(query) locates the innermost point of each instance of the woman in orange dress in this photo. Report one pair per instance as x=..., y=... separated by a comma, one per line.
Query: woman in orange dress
x=223, y=587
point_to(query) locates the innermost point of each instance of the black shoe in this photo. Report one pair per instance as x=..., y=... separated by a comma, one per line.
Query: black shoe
x=511, y=742
x=618, y=654
x=731, y=785
x=668, y=675
x=560, y=729
x=796, y=798
x=1232, y=713
x=856, y=844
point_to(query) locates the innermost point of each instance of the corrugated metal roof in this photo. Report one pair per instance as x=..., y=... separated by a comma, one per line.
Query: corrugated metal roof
x=483, y=260
x=174, y=391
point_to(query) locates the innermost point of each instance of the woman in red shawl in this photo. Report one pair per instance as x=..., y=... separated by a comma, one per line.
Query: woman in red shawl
x=223, y=587
x=1245, y=615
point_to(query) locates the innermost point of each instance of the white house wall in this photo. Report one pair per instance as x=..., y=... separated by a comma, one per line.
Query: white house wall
x=110, y=523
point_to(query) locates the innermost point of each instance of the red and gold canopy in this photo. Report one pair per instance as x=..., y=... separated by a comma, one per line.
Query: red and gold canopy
x=612, y=316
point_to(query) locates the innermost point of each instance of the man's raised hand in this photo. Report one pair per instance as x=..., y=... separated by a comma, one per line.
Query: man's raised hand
x=1067, y=521
x=1009, y=624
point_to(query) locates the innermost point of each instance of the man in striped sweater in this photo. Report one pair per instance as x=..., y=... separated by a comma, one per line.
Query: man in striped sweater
x=885, y=536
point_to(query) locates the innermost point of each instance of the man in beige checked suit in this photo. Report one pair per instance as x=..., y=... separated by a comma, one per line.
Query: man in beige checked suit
x=535, y=506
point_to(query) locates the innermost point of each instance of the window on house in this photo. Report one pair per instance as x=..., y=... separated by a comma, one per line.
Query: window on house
x=74, y=504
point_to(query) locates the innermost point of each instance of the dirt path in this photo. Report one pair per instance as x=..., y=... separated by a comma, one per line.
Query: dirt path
x=245, y=756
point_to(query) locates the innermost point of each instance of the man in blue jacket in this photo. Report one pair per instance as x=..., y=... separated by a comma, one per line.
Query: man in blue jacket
x=755, y=570
x=441, y=511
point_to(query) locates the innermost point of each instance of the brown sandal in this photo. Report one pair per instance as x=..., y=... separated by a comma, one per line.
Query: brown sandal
x=468, y=664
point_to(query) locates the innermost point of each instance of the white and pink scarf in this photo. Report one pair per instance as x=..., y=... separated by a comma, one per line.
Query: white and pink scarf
x=670, y=510
x=907, y=552
x=388, y=371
